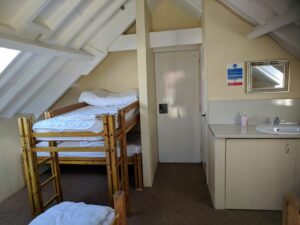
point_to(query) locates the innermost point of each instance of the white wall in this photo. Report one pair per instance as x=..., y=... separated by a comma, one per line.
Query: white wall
x=11, y=177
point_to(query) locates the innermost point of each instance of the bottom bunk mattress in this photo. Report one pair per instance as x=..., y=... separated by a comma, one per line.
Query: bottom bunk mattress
x=67, y=213
x=132, y=149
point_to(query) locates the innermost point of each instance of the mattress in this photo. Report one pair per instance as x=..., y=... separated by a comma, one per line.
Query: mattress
x=67, y=213
x=82, y=119
x=131, y=149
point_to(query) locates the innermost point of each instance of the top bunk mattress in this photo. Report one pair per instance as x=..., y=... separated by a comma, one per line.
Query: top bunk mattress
x=82, y=119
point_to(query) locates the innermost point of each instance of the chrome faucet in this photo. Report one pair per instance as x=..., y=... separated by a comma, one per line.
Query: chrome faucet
x=276, y=121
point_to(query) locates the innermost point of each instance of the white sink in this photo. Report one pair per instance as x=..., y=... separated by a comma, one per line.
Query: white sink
x=279, y=129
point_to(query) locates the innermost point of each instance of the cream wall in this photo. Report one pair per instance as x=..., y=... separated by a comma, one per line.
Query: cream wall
x=117, y=72
x=169, y=17
x=11, y=177
x=226, y=42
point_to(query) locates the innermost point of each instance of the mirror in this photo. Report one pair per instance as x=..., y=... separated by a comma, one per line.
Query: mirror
x=267, y=76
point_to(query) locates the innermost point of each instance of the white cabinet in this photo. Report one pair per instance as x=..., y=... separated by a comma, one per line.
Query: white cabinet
x=259, y=172
x=252, y=173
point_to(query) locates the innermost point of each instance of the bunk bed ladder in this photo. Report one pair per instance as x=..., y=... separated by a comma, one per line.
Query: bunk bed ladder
x=31, y=167
x=55, y=172
x=118, y=161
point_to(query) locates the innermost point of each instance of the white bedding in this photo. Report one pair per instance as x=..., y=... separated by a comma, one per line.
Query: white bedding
x=82, y=119
x=70, y=213
x=131, y=149
x=106, y=98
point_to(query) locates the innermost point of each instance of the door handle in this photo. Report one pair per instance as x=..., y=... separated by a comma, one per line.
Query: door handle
x=163, y=108
x=287, y=148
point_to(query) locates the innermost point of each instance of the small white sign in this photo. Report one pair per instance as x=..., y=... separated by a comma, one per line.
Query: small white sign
x=235, y=74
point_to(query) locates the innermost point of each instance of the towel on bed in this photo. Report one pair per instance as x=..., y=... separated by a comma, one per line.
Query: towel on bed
x=70, y=213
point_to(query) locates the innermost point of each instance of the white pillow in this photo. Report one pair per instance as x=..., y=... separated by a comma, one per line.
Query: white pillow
x=106, y=98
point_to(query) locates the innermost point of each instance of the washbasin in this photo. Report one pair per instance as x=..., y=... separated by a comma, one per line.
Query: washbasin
x=279, y=129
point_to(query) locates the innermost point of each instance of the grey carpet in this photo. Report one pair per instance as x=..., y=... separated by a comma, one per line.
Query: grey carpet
x=179, y=197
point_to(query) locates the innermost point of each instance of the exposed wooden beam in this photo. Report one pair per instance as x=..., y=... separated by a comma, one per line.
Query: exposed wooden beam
x=52, y=69
x=27, y=75
x=27, y=13
x=114, y=27
x=13, y=42
x=55, y=87
x=160, y=39
x=15, y=66
x=77, y=22
x=291, y=15
x=101, y=19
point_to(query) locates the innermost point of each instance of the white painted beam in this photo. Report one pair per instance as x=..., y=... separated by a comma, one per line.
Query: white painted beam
x=110, y=32
x=14, y=67
x=41, y=80
x=160, y=39
x=23, y=78
x=176, y=37
x=77, y=22
x=10, y=41
x=54, y=88
x=101, y=19
x=56, y=13
x=291, y=15
x=124, y=42
x=27, y=13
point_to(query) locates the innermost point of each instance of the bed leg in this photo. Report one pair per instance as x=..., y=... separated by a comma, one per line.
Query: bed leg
x=120, y=207
x=139, y=172
x=290, y=214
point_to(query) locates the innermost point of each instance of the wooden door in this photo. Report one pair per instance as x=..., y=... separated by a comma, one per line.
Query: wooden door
x=178, y=99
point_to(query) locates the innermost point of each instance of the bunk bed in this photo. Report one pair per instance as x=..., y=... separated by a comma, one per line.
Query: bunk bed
x=126, y=118
x=107, y=126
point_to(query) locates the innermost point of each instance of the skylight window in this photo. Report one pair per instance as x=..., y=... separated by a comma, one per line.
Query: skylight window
x=6, y=57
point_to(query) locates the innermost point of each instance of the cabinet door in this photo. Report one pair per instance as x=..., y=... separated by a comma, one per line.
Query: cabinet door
x=296, y=146
x=259, y=173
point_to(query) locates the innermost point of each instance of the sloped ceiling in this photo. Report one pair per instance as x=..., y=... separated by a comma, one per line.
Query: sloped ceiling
x=59, y=40
x=278, y=18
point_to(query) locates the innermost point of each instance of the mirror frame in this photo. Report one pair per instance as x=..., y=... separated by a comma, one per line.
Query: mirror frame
x=250, y=89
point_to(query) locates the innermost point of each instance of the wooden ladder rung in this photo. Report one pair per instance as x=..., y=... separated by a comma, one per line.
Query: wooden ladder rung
x=48, y=180
x=45, y=160
x=50, y=200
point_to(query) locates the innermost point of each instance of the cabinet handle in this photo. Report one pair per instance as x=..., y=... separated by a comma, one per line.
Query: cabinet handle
x=287, y=148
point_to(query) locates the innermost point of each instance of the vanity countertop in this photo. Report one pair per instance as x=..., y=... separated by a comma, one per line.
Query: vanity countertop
x=236, y=131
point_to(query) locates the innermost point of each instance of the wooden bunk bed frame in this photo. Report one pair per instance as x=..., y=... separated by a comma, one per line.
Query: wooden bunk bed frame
x=291, y=212
x=125, y=127
x=116, y=165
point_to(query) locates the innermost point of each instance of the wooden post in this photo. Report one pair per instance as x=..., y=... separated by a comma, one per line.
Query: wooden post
x=108, y=157
x=113, y=152
x=291, y=211
x=123, y=146
x=120, y=207
x=139, y=166
x=32, y=169
x=26, y=165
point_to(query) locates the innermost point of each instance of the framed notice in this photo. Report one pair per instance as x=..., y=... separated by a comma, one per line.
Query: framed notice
x=235, y=74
